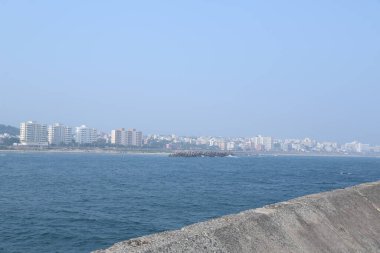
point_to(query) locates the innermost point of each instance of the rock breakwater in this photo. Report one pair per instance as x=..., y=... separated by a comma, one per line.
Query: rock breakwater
x=346, y=220
x=200, y=154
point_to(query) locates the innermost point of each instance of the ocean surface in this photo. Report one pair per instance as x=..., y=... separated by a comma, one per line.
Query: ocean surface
x=57, y=202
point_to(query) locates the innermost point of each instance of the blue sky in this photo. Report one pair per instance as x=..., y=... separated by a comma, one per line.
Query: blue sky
x=231, y=68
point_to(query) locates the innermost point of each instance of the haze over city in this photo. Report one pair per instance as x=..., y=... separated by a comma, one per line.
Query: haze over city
x=228, y=68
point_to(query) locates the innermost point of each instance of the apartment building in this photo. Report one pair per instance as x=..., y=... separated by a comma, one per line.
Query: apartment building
x=33, y=134
x=59, y=134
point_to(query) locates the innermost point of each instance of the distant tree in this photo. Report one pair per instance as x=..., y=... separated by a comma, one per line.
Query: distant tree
x=9, y=141
x=157, y=144
x=100, y=143
x=4, y=129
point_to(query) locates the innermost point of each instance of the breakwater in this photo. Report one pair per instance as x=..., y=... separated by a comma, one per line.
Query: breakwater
x=200, y=154
x=346, y=220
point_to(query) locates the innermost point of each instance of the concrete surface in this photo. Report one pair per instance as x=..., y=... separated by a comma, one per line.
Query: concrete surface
x=346, y=220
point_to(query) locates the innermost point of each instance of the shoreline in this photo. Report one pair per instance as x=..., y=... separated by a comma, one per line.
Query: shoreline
x=167, y=153
x=84, y=151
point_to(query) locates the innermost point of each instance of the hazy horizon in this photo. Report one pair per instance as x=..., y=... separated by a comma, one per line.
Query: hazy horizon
x=222, y=68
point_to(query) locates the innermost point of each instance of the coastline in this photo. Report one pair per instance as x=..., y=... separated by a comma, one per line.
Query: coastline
x=167, y=153
x=82, y=151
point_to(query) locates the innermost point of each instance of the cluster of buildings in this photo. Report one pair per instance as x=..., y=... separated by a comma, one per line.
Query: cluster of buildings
x=33, y=133
x=260, y=144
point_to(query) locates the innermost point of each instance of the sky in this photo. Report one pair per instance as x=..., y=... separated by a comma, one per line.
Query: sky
x=288, y=69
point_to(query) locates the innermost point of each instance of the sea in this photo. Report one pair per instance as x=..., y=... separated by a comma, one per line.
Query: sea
x=79, y=202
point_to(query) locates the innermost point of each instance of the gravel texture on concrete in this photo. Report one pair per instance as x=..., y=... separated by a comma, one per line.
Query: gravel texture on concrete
x=346, y=220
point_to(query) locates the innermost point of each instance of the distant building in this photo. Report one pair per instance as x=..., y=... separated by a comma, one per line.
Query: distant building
x=222, y=145
x=357, y=147
x=134, y=138
x=230, y=146
x=59, y=134
x=85, y=135
x=119, y=137
x=33, y=134
x=353, y=147
x=262, y=143
x=365, y=148
x=131, y=137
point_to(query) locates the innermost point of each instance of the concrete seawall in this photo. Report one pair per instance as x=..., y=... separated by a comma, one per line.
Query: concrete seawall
x=346, y=220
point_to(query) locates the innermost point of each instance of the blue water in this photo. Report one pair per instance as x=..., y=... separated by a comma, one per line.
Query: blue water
x=82, y=202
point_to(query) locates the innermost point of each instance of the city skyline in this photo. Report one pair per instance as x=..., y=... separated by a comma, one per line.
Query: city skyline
x=300, y=68
x=98, y=131
x=33, y=133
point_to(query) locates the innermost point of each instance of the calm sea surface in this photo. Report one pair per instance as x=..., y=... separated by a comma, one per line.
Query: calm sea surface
x=82, y=202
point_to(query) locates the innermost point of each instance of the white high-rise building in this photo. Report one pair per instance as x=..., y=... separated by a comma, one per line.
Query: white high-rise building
x=85, y=135
x=138, y=139
x=59, y=134
x=263, y=142
x=131, y=137
x=33, y=134
x=356, y=147
x=119, y=137
x=230, y=146
x=134, y=138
